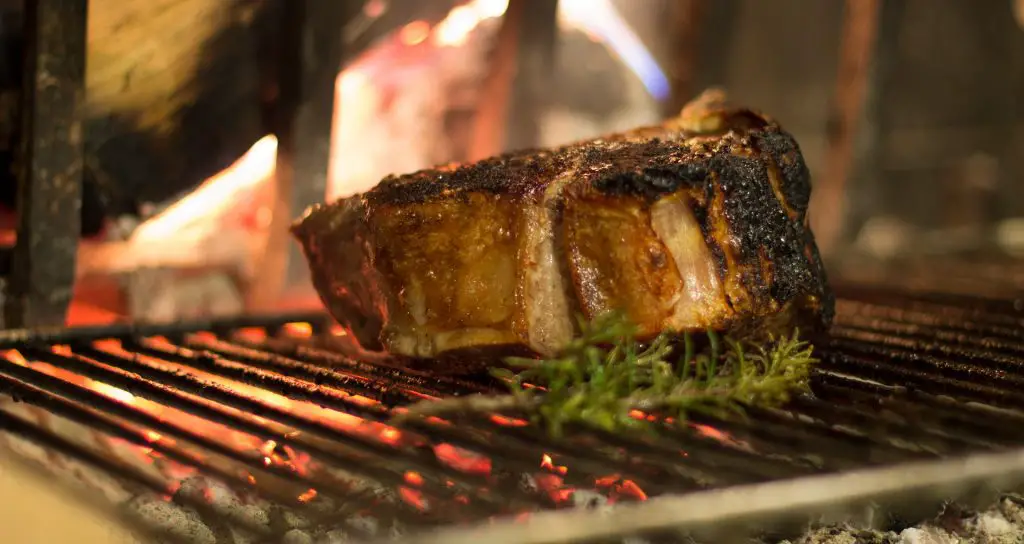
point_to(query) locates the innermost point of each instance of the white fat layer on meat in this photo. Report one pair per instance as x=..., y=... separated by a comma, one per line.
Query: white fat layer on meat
x=548, y=309
x=467, y=337
x=416, y=301
x=701, y=295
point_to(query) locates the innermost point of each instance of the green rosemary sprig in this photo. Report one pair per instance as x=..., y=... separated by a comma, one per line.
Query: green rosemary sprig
x=604, y=374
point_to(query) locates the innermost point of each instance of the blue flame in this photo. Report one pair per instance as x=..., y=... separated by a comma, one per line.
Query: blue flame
x=600, y=19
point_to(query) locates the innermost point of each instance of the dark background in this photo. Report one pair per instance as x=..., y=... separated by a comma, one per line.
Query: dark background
x=953, y=93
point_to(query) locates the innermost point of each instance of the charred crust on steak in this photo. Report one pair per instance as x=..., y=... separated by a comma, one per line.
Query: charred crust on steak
x=762, y=230
x=513, y=173
x=743, y=179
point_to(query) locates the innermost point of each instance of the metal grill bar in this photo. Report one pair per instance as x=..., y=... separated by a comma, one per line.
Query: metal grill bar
x=901, y=380
x=102, y=421
x=360, y=446
x=134, y=479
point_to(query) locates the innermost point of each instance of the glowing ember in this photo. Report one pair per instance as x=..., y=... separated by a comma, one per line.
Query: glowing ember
x=113, y=392
x=463, y=460
x=703, y=430
x=268, y=447
x=390, y=435
x=554, y=486
x=413, y=497
x=308, y=495
x=414, y=478
x=711, y=432
x=15, y=357
x=629, y=487
x=253, y=334
x=547, y=463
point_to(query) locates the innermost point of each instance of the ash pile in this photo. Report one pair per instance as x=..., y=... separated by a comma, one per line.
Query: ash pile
x=1003, y=523
x=1000, y=524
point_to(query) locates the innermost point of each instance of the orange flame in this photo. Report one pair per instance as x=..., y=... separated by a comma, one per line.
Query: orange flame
x=301, y=330
x=414, y=478
x=217, y=193
x=547, y=463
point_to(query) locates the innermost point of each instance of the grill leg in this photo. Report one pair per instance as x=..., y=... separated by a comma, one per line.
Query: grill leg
x=50, y=165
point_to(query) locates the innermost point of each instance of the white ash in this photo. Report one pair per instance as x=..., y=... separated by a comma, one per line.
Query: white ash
x=229, y=518
x=333, y=537
x=585, y=498
x=285, y=518
x=296, y=536
x=1001, y=524
x=366, y=524
x=171, y=519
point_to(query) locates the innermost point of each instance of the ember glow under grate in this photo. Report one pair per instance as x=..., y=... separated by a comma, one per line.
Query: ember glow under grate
x=275, y=415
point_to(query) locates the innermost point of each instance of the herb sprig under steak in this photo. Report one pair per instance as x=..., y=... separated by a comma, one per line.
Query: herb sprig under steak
x=604, y=374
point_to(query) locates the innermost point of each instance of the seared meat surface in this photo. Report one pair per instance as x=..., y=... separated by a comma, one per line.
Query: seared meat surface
x=698, y=223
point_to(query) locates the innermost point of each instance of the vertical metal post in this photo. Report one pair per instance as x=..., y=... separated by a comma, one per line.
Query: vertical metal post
x=496, y=88
x=49, y=165
x=685, y=24
x=1011, y=163
x=535, y=64
x=310, y=56
x=513, y=92
x=870, y=32
x=718, y=23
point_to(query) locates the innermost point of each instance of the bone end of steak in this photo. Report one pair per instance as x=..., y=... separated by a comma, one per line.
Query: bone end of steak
x=338, y=248
x=698, y=223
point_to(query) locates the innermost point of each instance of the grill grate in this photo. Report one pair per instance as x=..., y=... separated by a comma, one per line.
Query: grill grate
x=289, y=420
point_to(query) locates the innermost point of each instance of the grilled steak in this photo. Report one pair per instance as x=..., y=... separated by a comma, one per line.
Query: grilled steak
x=697, y=223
